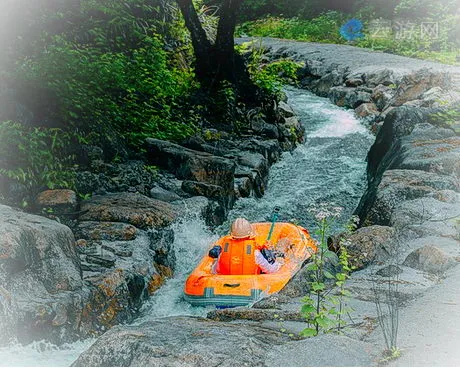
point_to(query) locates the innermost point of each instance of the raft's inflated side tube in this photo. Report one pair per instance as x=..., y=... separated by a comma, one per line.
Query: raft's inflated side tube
x=204, y=288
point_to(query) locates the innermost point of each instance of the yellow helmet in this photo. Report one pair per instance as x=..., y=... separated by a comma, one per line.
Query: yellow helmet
x=241, y=228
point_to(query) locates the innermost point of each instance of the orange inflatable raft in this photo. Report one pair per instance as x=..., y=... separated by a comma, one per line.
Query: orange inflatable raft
x=203, y=287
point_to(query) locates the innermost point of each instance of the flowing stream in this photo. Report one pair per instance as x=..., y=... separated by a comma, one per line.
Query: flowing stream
x=328, y=168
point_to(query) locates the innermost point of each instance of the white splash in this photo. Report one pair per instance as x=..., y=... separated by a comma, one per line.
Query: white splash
x=42, y=353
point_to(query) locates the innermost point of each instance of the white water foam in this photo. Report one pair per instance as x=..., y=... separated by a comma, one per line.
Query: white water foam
x=191, y=241
x=42, y=353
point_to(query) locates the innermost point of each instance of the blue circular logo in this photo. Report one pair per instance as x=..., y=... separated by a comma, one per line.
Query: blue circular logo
x=352, y=30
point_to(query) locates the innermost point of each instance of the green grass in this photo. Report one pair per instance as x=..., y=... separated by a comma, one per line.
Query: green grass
x=325, y=29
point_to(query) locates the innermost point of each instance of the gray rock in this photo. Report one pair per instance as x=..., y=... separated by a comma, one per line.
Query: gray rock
x=105, y=177
x=413, y=86
x=255, y=161
x=322, y=86
x=389, y=271
x=191, y=165
x=243, y=186
x=39, y=266
x=36, y=245
x=106, y=259
x=59, y=201
x=133, y=208
x=254, y=314
x=354, y=82
x=315, y=68
x=163, y=194
x=285, y=110
x=383, y=76
x=203, y=189
x=398, y=186
x=365, y=110
x=429, y=259
x=325, y=350
x=111, y=231
x=369, y=244
x=162, y=243
x=270, y=149
x=119, y=249
x=348, y=97
x=291, y=129
x=431, y=149
x=382, y=96
x=182, y=341
x=300, y=283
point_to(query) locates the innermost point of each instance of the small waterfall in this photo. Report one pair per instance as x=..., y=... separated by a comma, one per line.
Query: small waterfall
x=191, y=240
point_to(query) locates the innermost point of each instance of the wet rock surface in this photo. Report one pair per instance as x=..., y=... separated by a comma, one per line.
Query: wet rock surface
x=133, y=208
x=182, y=341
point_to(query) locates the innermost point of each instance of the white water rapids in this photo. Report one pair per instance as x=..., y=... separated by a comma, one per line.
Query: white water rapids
x=328, y=167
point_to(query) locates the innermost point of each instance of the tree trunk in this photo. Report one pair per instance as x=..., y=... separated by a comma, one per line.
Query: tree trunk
x=201, y=45
x=215, y=63
x=225, y=43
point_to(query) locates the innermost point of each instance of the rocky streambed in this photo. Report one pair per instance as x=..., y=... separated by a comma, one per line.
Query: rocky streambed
x=125, y=246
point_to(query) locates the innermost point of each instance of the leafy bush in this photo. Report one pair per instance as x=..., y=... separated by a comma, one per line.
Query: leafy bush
x=37, y=158
x=137, y=94
x=269, y=77
x=107, y=62
x=324, y=28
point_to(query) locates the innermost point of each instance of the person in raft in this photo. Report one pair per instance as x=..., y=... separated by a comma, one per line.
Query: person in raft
x=238, y=253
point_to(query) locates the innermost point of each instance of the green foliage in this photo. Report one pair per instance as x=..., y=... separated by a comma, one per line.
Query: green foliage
x=269, y=77
x=138, y=95
x=322, y=309
x=324, y=28
x=35, y=157
x=109, y=68
x=389, y=355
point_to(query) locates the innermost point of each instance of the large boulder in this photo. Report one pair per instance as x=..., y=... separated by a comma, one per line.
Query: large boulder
x=399, y=185
x=322, y=86
x=431, y=149
x=414, y=85
x=39, y=271
x=365, y=110
x=383, y=76
x=182, y=341
x=197, y=188
x=270, y=149
x=285, y=110
x=386, y=151
x=59, y=201
x=429, y=259
x=164, y=195
x=349, y=97
x=191, y=165
x=369, y=244
x=45, y=248
x=133, y=208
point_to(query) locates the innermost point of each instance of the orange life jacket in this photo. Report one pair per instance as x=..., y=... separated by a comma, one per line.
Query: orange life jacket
x=237, y=257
